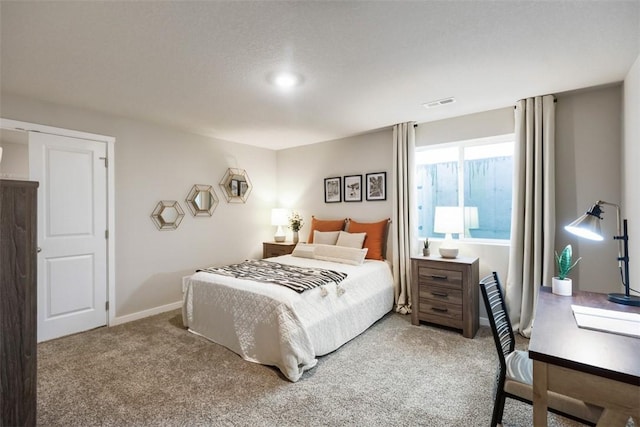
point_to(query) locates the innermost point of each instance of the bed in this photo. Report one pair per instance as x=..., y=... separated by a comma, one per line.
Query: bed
x=273, y=325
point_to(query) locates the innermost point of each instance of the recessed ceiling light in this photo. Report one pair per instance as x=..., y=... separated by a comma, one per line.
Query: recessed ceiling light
x=439, y=102
x=286, y=80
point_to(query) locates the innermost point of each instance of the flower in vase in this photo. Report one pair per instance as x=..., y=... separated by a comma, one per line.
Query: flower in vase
x=295, y=221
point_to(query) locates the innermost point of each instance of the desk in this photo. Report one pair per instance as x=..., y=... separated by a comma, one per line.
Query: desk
x=597, y=367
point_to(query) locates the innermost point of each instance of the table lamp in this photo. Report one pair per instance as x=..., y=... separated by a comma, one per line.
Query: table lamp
x=448, y=220
x=588, y=226
x=279, y=218
x=470, y=219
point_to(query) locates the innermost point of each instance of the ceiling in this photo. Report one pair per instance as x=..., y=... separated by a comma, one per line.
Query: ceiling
x=204, y=66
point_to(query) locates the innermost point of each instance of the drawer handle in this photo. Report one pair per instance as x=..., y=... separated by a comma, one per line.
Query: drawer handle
x=440, y=294
x=441, y=310
x=437, y=276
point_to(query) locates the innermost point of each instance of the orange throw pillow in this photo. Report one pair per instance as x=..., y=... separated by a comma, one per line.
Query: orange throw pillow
x=325, y=225
x=376, y=236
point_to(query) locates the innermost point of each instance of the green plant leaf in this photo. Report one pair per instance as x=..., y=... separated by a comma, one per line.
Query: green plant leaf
x=563, y=262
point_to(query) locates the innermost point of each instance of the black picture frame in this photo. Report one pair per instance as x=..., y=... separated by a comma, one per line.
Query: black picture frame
x=332, y=190
x=352, y=188
x=376, y=186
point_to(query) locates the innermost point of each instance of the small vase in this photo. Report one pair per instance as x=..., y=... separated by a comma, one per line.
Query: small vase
x=561, y=286
x=426, y=252
x=295, y=237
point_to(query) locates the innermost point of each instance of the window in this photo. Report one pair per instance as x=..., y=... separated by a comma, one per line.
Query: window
x=475, y=175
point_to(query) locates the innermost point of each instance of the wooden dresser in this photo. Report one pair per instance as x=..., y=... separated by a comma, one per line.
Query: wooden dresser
x=271, y=249
x=18, y=298
x=444, y=291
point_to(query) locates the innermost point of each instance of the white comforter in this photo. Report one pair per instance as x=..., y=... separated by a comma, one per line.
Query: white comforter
x=273, y=325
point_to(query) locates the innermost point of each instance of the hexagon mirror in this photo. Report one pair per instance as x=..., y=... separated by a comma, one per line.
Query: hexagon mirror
x=235, y=185
x=167, y=215
x=202, y=200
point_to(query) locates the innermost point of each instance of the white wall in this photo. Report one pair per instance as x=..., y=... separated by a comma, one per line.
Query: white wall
x=588, y=168
x=631, y=168
x=472, y=126
x=302, y=170
x=154, y=163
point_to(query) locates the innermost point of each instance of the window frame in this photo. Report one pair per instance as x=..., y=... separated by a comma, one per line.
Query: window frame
x=461, y=145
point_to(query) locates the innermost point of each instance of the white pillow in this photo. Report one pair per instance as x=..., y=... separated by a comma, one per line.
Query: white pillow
x=351, y=240
x=325, y=237
x=342, y=254
x=303, y=250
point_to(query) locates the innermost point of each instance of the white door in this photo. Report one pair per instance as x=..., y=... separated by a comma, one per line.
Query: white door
x=72, y=224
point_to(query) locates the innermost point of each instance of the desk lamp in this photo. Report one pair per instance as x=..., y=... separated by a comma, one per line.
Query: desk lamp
x=588, y=226
x=279, y=218
x=448, y=220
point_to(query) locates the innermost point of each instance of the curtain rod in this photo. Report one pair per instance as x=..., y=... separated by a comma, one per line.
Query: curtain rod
x=555, y=101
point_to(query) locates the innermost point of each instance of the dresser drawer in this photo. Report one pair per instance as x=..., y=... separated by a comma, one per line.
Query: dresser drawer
x=278, y=251
x=271, y=249
x=440, y=294
x=440, y=277
x=435, y=311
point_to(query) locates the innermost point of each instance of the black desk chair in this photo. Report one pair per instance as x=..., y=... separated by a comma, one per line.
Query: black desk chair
x=515, y=374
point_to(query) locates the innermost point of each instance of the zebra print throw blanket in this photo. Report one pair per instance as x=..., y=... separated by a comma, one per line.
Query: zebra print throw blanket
x=298, y=279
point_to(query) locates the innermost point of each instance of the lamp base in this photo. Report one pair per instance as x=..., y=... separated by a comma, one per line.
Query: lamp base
x=279, y=239
x=448, y=252
x=624, y=299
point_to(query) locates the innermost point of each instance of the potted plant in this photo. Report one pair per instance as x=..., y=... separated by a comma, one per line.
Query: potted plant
x=425, y=248
x=561, y=284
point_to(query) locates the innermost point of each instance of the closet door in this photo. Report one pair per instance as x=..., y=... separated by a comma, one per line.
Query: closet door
x=72, y=228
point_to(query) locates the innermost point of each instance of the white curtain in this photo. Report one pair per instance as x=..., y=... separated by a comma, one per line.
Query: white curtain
x=404, y=217
x=531, y=257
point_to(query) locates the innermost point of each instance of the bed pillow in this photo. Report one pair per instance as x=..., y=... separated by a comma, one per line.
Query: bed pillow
x=326, y=237
x=302, y=250
x=325, y=225
x=350, y=240
x=376, y=236
x=341, y=254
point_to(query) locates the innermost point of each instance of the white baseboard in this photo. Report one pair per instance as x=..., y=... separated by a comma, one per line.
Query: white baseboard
x=145, y=313
x=484, y=321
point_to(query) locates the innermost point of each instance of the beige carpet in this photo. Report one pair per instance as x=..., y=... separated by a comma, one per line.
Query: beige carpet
x=154, y=372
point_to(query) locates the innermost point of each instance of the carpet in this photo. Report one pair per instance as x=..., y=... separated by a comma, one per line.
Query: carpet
x=154, y=372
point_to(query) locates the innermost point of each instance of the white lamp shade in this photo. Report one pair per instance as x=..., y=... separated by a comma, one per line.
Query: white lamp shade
x=279, y=216
x=448, y=219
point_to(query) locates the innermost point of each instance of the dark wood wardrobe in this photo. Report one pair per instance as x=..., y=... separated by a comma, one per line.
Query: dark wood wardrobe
x=18, y=298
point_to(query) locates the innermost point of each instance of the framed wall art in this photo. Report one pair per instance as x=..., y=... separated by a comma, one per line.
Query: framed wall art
x=376, y=186
x=353, y=188
x=332, y=190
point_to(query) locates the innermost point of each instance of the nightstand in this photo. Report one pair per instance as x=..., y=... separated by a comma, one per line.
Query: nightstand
x=271, y=249
x=444, y=291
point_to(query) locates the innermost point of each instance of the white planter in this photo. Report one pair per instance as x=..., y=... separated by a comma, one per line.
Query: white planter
x=562, y=287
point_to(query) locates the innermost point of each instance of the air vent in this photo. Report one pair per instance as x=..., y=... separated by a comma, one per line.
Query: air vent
x=439, y=102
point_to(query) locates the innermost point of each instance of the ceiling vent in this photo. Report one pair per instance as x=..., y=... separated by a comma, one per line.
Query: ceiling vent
x=439, y=102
